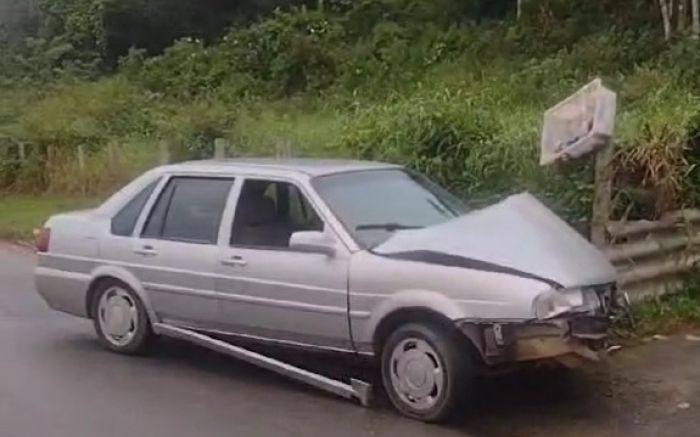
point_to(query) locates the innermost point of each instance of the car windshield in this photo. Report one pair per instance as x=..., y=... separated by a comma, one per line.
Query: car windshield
x=374, y=204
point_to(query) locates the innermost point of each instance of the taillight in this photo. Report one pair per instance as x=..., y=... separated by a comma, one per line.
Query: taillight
x=42, y=237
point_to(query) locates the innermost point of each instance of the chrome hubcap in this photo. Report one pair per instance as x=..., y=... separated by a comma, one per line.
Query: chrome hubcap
x=117, y=316
x=416, y=373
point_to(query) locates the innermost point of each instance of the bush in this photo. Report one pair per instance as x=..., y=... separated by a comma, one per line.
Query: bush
x=419, y=82
x=654, y=138
x=437, y=134
x=288, y=53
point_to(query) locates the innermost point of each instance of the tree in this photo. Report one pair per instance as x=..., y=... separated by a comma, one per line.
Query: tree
x=679, y=10
x=682, y=14
x=18, y=20
x=666, y=9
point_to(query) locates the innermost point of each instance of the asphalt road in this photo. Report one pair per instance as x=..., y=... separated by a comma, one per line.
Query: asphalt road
x=55, y=380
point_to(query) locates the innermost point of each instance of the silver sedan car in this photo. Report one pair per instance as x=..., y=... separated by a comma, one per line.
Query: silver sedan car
x=350, y=257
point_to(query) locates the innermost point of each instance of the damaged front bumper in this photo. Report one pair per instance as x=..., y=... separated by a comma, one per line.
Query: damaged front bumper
x=569, y=339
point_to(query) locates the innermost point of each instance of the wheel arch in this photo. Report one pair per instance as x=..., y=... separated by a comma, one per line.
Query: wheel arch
x=123, y=275
x=407, y=315
x=410, y=307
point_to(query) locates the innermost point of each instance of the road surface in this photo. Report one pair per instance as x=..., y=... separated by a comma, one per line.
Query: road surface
x=55, y=380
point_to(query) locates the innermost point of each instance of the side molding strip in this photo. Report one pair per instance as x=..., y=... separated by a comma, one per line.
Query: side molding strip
x=355, y=390
x=445, y=259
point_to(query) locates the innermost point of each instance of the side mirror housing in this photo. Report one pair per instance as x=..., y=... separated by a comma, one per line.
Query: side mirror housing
x=312, y=242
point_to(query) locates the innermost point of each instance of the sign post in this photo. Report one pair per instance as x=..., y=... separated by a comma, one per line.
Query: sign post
x=602, y=194
x=581, y=124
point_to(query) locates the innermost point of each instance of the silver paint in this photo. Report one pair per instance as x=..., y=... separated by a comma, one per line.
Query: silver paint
x=416, y=373
x=117, y=316
x=330, y=301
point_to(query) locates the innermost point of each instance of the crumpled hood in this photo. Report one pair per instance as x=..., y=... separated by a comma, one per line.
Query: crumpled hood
x=518, y=236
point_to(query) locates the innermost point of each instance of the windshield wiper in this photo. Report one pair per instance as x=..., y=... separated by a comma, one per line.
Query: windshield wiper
x=391, y=227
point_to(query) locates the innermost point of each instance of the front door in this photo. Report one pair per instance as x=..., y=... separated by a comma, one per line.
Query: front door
x=270, y=291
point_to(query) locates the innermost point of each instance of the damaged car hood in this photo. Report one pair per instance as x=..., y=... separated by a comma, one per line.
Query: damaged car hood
x=518, y=236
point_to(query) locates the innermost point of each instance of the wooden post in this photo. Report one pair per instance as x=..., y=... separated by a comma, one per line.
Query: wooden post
x=519, y=10
x=112, y=152
x=22, y=152
x=220, y=148
x=163, y=152
x=81, y=158
x=284, y=149
x=81, y=167
x=602, y=196
x=695, y=6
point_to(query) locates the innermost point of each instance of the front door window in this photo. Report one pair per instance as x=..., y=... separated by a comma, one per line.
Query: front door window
x=269, y=212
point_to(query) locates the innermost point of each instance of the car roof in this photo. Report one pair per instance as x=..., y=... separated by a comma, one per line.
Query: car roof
x=272, y=166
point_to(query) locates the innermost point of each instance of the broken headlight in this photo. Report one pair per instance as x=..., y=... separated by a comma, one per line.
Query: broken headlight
x=591, y=299
x=550, y=304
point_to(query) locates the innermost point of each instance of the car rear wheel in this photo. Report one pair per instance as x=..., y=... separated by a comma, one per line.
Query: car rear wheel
x=120, y=318
x=426, y=371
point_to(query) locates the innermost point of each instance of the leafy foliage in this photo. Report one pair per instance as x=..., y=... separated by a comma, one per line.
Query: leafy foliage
x=453, y=88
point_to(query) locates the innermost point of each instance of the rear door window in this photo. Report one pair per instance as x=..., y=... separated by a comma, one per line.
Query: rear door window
x=189, y=209
x=124, y=222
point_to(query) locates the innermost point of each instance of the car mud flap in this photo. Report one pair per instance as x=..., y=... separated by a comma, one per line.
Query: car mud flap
x=357, y=389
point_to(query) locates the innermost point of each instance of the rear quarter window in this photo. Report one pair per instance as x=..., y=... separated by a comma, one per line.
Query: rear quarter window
x=124, y=222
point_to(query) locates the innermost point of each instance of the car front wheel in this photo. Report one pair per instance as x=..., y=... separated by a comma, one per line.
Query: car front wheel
x=120, y=318
x=426, y=371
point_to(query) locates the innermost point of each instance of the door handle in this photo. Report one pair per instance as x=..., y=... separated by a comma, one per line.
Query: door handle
x=235, y=260
x=146, y=250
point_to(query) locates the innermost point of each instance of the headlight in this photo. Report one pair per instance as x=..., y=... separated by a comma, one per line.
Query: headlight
x=550, y=304
x=591, y=300
x=582, y=299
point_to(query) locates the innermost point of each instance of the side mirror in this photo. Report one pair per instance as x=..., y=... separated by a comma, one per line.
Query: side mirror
x=312, y=242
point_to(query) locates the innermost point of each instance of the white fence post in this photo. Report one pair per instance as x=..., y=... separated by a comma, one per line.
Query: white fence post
x=284, y=149
x=81, y=167
x=81, y=158
x=163, y=152
x=220, y=148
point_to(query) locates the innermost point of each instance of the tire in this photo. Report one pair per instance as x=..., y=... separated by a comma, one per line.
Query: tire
x=120, y=318
x=427, y=372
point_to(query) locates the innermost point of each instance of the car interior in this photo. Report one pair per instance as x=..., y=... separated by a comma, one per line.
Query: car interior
x=269, y=212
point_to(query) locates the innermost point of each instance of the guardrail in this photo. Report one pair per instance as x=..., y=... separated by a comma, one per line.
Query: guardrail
x=652, y=255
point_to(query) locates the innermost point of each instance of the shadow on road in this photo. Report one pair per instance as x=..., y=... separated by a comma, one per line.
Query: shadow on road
x=526, y=402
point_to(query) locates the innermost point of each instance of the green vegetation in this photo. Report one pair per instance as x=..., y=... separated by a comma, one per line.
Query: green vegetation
x=21, y=214
x=453, y=88
x=663, y=315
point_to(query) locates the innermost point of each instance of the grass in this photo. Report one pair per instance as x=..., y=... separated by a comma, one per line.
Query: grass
x=21, y=214
x=668, y=314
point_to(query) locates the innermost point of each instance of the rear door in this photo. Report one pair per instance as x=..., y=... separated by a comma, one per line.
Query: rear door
x=175, y=252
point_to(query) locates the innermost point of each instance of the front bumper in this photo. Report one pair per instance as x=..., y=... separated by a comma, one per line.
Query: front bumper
x=569, y=339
